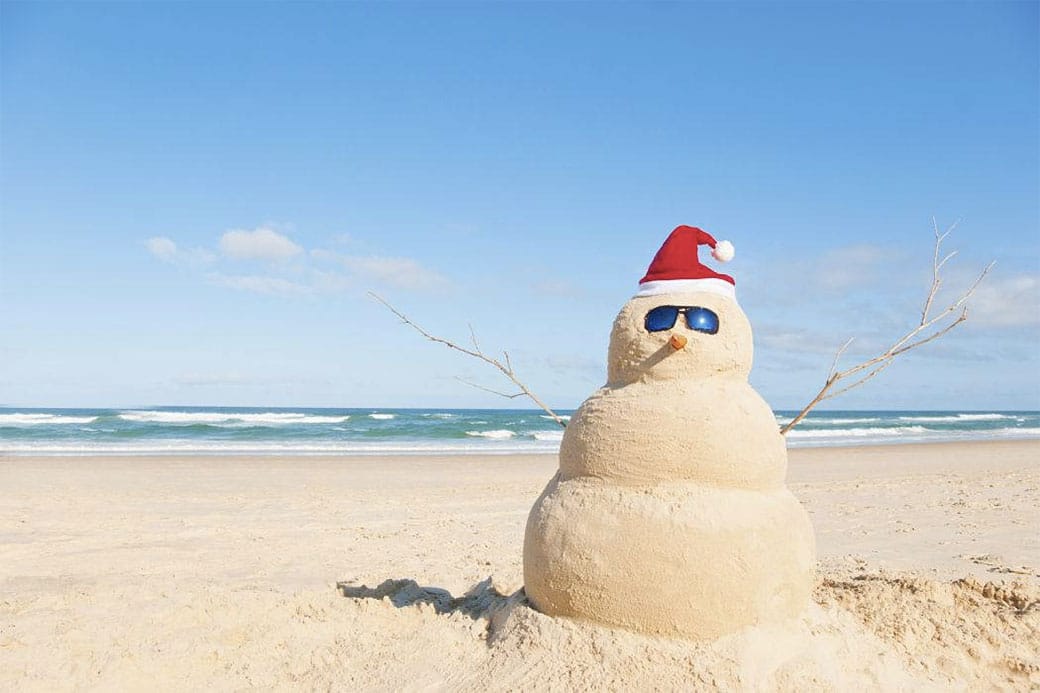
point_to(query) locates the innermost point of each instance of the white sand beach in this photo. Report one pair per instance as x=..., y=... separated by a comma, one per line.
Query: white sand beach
x=402, y=573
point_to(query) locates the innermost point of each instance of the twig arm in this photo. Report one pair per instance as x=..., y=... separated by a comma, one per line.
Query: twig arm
x=505, y=368
x=914, y=338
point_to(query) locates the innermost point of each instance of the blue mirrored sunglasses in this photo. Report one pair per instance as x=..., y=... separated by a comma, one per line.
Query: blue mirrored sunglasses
x=697, y=318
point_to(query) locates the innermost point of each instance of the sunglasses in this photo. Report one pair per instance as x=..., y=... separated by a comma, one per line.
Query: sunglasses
x=697, y=318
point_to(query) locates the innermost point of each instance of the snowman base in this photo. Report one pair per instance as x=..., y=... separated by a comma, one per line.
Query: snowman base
x=676, y=559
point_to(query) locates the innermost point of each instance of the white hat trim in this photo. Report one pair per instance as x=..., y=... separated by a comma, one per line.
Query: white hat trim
x=669, y=286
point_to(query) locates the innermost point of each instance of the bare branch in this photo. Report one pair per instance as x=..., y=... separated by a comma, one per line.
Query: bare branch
x=914, y=338
x=837, y=355
x=488, y=389
x=936, y=266
x=940, y=333
x=506, y=369
x=949, y=256
x=859, y=382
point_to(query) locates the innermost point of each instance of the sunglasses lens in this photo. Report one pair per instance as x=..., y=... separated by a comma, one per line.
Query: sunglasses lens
x=661, y=318
x=702, y=320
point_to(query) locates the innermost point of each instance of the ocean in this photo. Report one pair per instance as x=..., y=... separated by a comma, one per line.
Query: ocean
x=305, y=431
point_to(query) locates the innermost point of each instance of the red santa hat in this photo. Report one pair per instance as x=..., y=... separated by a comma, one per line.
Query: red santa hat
x=676, y=266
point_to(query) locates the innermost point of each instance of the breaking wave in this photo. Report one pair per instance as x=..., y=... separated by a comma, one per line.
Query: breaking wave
x=19, y=419
x=497, y=434
x=228, y=418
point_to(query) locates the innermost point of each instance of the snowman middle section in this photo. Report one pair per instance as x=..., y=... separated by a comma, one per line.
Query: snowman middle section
x=669, y=514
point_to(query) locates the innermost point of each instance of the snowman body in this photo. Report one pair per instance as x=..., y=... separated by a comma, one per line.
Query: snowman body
x=669, y=514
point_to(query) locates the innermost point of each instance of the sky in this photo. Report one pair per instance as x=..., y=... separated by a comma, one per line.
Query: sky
x=196, y=198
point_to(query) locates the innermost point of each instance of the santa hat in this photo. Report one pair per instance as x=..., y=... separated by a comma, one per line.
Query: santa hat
x=676, y=266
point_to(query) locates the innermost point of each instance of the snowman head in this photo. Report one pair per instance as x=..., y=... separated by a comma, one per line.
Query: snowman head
x=710, y=337
x=684, y=323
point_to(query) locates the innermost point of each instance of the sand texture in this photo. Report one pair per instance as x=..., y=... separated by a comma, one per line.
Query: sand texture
x=349, y=574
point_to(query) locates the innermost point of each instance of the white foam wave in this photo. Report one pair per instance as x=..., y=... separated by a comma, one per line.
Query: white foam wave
x=823, y=420
x=555, y=436
x=43, y=419
x=228, y=418
x=906, y=434
x=382, y=417
x=500, y=433
x=957, y=417
x=856, y=432
x=565, y=417
x=480, y=445
x=442, y=415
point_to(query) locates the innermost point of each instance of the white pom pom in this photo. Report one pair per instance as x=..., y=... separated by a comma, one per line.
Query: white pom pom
x=723, y=251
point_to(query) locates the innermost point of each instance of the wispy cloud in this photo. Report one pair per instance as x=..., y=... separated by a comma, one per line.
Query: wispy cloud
x=848, y=267
x=835, y=273
x=162, y=248
x=305, y=274
x=262, y=243
x=166, y=250
x=1007, y=302
x=261, y=284
x=398, y=272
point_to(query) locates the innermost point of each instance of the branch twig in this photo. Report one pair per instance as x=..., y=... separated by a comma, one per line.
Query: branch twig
x=905, y=343
x=488, y=389
x=505, y=368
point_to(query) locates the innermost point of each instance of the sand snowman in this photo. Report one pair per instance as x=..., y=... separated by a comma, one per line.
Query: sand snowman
x=669, y=514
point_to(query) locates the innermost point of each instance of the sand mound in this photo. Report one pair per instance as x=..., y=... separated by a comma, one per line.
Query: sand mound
x=979, y=635
x=867, y=631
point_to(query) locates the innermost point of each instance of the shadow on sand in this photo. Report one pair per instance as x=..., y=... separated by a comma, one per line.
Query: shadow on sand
x=480, y=601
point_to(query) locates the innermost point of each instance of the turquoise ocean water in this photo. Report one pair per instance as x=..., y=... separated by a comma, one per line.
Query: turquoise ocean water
x=264, y=430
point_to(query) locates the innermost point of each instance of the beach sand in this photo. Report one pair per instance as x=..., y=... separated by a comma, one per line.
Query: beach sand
x=401, y=573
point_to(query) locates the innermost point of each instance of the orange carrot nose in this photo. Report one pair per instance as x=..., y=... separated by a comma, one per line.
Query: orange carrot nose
x=677, y=341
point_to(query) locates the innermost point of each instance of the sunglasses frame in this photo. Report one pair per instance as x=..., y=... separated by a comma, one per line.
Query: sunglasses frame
x=685, y=312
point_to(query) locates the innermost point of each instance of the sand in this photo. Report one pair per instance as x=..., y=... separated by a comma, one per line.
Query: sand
x=183, y=573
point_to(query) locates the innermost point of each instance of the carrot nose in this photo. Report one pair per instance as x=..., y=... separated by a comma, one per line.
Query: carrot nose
x=677, y=341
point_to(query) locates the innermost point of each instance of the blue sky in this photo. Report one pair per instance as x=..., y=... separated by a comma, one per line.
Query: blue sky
x=196, y=197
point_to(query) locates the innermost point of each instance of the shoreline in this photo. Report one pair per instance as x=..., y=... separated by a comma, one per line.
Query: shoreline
x=881, y=449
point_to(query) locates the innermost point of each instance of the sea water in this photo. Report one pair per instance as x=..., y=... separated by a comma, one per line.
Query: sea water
x=268, y=430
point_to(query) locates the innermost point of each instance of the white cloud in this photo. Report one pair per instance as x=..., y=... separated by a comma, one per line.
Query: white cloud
x=315, y=271
x=263, y=243
x=166, y=250
x=260, y=284
x=844, y=268
x=398, y=272
x=162, y=248
x=330, y=282
x=323, y=255
x=1006, y=302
